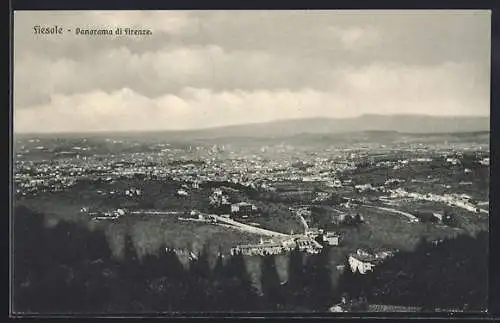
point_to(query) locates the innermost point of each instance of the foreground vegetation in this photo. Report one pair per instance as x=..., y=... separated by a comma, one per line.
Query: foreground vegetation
x=69, y=269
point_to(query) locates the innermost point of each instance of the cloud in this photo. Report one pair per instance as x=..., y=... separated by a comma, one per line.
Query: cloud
x=153, y=74
x=165, y=71
x=211, y=68
x=357, y=38
x=385, y=89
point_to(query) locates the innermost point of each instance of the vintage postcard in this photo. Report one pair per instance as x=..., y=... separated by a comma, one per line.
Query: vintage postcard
x=250, y=161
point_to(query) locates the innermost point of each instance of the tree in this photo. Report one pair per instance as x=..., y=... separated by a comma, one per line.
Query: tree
x=319, y=282
x=271, y=285
x=294, y=288
x=449, y=275
x=239, y=292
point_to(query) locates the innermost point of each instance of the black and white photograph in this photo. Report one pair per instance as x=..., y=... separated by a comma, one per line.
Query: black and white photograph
x=250, y=161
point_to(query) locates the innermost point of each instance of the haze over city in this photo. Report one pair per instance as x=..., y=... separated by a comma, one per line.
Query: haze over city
x=204, y=69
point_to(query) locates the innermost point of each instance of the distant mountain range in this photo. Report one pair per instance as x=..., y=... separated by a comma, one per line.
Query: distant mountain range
x=411, y=124
x=365, y=123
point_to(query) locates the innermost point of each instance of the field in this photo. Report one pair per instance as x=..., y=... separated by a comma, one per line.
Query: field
x=277, y=217
x=388, y=230
x=152, y=234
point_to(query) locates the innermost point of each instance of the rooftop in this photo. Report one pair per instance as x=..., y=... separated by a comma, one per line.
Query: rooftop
x=392, y=308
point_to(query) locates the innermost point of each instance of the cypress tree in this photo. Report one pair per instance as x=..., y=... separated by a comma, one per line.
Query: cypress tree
x=296, y=280
x=271, y=286
x=240, y=293
x=321, y=284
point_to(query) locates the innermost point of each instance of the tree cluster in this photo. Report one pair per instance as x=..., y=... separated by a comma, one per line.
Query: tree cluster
x=68, y=269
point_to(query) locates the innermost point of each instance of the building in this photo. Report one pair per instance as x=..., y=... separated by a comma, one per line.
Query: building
x=364, y=187
x=348, y=218
x=133, y=192
x=355, y=305
x=322, y=196
x=485, y=161
x=339, y=308
x=328, y=238
x=108, y=215
x=269, y=248
x=302, y=243
x=393, y=308
x=195, y=214
x=337, y=183
x=243, y=209
x=217, y=198
x=362, y=262
x=306, y=244
x=119, y=212
x=331, y=239
x=211, y=218
x=384, y=254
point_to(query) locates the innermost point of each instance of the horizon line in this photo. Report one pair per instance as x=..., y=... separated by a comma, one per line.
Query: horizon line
x=250, y=123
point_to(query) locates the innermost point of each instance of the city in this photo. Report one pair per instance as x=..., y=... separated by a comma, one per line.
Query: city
x=262, y=201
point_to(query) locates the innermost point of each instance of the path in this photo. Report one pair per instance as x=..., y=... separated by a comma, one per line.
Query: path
x=158, y=212
x=248, y=228
x=408, y=215
x=304, y=223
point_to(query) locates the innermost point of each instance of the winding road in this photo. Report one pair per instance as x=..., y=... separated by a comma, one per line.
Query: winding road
x=411, y=217
x=158, y=212
x=304, y=223
x=249, y=228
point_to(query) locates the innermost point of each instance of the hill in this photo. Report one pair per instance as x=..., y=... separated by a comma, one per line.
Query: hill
x=410, y=124
x=394, y=123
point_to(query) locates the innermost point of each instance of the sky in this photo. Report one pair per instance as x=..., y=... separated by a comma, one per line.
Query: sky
x=203, y=69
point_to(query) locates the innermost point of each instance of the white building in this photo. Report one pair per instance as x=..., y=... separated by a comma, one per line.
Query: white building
x=337, y=183
x=363, y=262
x=453, y=161
x=120, y=212
x=364, y=187
x=485, y=161
x=336, y=309
x=359, y=265
x=331, y=239
x=133, y=192
x=243, y=209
